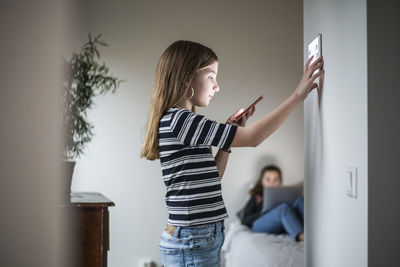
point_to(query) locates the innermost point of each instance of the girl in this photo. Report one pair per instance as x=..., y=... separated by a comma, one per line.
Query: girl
x=181, y=138
x=282, y=218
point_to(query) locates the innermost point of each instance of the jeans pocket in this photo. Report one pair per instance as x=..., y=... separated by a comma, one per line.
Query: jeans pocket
x=169, y=251
x=172, y=257
x=202, y=241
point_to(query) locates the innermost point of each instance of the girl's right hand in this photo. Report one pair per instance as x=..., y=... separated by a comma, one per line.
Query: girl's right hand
x=306, y=84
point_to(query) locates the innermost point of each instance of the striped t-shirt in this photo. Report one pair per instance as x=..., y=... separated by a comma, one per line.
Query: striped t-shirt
x=188, y=167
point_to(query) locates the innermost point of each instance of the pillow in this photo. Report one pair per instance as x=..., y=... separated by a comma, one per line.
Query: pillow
x=274, y=196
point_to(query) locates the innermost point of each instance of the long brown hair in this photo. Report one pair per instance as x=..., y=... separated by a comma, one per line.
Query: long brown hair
x=175, y=71
x=258, y=187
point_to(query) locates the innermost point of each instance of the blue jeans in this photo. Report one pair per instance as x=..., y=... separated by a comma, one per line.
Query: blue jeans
x=198, y=245
x=282, y=218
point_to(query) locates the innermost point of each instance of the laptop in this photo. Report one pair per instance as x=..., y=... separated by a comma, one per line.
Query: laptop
x=274, y=196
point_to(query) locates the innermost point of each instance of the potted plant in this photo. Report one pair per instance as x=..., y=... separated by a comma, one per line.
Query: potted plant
x=84, y=78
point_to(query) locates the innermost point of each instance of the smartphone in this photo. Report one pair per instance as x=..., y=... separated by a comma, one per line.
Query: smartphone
x=251, y=106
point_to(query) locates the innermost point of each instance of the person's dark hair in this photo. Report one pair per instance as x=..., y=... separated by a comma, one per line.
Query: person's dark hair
x=258, y=187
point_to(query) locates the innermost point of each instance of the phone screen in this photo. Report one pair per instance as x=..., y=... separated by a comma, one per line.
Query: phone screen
x=252, y=105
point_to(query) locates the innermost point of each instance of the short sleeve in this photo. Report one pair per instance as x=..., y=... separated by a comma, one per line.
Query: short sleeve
x=191, y=129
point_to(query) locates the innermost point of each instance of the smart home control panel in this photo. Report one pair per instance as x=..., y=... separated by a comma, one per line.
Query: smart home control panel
x=315, y=49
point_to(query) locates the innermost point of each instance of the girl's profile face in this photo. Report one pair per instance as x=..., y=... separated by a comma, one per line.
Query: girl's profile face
x=205, y=85
x=271, y=179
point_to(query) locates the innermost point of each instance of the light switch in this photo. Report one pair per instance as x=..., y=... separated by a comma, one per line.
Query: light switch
x=351, y=181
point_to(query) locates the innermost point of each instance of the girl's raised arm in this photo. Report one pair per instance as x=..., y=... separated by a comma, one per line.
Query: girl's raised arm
x=257, y=132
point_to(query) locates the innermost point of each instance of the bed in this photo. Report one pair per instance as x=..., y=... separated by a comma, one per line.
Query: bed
x=243, y=247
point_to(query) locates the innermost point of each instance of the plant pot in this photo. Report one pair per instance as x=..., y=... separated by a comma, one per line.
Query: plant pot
x=67, y=173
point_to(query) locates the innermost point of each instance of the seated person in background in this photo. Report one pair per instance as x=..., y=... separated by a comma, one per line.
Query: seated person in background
x=283, y=217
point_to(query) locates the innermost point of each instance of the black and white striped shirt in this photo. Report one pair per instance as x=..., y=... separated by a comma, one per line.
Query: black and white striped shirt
x=188, y=167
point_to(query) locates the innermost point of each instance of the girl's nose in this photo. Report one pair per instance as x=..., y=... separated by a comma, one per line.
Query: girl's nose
x=216, y=88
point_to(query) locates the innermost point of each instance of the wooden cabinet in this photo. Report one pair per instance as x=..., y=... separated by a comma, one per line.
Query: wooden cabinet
x=89, y=221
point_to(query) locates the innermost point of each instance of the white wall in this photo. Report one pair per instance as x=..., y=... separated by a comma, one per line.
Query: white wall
x=259, y=46
x=336, y=136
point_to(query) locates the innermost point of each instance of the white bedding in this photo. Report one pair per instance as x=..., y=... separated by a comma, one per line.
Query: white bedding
x=243, y=247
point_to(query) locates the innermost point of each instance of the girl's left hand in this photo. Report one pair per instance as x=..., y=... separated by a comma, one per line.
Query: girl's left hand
x=259, y=198
x=242, y=121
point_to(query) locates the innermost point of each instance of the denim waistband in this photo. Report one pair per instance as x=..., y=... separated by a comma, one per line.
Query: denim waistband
x=193, y=237
x=199, y=229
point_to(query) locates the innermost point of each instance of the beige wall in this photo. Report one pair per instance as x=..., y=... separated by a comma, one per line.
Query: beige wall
x=259, y=44
x=31, y=223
